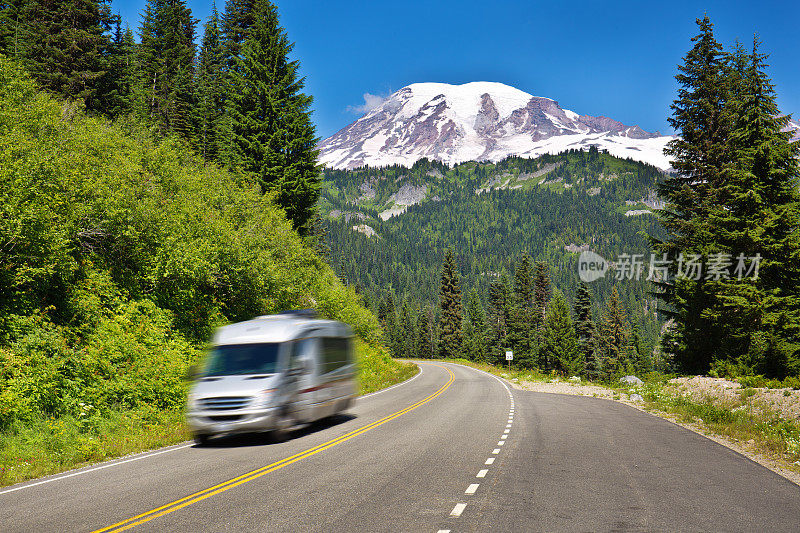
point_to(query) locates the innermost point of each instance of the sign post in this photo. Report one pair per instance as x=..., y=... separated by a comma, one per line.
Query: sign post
x=509, y=358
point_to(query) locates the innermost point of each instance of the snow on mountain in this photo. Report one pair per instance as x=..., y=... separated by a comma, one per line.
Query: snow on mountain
x=479, y=121
x=794, y=126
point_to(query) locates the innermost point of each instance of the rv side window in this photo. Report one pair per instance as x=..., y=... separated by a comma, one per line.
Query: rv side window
x=334, y=353
x=302, y=350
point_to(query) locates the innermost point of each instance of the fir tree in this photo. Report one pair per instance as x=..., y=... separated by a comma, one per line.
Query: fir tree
x=450, y=335
x=165, y=85
x=424, y=334
x=64, y=45
x=559, y=343
x=235, y=26
x=475, y=333
x=760, y=316
x=272, y=135
x=210, y=90
x=584, y=329
x=614, y=339
x=118, y=82
x=10, y=18
x=541, y=295
x=699, y=155
x=499, y=317
x=522, y=326
x=541, y=290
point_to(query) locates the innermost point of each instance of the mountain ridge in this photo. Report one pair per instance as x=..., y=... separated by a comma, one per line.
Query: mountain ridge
x=479, y=121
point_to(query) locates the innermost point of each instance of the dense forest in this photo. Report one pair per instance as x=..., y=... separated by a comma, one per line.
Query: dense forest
x=492, y=216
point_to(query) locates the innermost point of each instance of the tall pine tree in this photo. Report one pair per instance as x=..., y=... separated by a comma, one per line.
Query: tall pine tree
x=523, y=332
x=210, y=90
x=700, y=156
x=475, y=331
x=614, y=339
x=559, y=343
x=541, y=296
x=64, y=45
x=585, y=330
x=118, y=82
x=499, y=318
x=272, y=136
x=165, y=85
x=760, y=316
x=450, y=335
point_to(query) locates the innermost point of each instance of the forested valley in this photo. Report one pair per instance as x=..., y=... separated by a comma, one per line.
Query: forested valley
x=499, y=220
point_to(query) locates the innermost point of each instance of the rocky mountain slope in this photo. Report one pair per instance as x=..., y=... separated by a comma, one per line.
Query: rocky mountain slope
x=479, y=121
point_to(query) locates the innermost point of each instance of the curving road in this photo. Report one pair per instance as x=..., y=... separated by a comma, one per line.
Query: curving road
x=453, y=449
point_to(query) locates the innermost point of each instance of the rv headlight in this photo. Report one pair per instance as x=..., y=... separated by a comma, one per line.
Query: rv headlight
x=266, y=397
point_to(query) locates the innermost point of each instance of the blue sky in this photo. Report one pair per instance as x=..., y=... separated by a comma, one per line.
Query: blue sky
x=615, y=58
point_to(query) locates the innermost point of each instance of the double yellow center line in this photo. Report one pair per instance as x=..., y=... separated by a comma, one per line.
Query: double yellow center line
x=250, y=476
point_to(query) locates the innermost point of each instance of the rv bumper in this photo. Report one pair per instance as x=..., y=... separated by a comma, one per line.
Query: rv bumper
x=213, y=423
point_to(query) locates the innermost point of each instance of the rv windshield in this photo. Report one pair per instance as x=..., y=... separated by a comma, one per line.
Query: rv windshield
x=235, y=359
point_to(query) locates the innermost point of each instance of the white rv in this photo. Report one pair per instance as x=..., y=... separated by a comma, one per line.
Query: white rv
x=272, y=373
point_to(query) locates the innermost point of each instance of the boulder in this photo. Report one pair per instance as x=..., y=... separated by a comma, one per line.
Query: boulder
x=636, y=398
x=575, y=379
x=631, y=380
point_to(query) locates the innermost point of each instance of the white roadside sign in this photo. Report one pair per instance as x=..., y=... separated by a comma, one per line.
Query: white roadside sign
x=509, y=355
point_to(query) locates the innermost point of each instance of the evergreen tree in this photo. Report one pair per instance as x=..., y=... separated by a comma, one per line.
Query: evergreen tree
x=64, y=45
x=424, y=335
x=10, y=18
x=450, y=339
x=210, y=90
x=408, y=320
x=118, y=82
x=475, y=331
x=235, y=25
x=559, y=343
x=165, y=85
x=272, y=136
x=584, y=329
x=499, y=317
x=759, y=316
x=614, y=339
x=541, y=296
x=642, y=361
x=699, y=155
x=522, y=326
x=541, y=290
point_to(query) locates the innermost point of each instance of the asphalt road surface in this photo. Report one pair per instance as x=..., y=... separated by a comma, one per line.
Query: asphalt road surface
x=453, y=449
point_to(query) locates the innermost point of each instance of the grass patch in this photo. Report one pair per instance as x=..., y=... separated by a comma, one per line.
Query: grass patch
x=765, y=432
x=377, y=370
x=47, y=446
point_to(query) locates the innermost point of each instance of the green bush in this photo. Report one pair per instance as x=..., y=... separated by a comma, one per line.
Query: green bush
x=121, y=253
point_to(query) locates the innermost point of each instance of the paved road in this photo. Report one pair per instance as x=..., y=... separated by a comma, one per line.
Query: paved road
x=452, y=449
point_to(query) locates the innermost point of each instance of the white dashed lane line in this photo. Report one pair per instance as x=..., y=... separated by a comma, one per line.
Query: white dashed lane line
x=473, y=487
x=458, y=509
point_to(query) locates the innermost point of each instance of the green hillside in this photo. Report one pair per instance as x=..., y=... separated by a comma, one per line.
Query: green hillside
x=550, y=208
x=119, y=255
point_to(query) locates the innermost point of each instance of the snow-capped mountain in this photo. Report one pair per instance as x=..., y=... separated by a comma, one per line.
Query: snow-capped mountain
x=479, y=121
x=794, y=127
